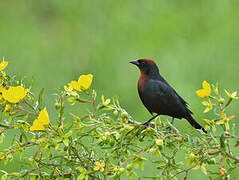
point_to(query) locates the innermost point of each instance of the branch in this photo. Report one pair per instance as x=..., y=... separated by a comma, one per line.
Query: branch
x=185, y=170
x=232, y=157
x=6, y=126
x=79, y=157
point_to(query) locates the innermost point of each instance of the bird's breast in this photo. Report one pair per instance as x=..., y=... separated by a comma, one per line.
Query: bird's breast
x=142, y=81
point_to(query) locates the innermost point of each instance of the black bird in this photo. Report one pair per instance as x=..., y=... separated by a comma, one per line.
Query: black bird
x=158, y=96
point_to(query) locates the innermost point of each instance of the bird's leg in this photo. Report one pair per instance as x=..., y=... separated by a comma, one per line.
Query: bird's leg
x=146, y=123
x=172, y=122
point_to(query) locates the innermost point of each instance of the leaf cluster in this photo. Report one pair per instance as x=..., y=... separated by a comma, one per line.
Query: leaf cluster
x=106, y=142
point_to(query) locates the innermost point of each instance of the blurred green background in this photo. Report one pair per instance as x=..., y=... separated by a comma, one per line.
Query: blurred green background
x=56, y=41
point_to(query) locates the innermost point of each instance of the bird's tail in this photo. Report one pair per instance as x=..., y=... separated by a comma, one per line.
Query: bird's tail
x=194, y=123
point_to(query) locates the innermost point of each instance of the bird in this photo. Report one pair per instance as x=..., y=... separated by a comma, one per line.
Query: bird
x=159, y=97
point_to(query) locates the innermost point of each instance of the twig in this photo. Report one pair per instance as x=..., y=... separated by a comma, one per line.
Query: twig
x=29, y=112
x=79, y=157
x=232, y=157
x=26, y=173
x=6, y=126
x=27, y=103
x=185, y=170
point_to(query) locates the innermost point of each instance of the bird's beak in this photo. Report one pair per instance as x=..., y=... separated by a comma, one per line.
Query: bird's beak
x=134, y=62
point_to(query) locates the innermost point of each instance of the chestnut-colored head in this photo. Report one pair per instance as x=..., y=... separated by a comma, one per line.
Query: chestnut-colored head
x=146, y=66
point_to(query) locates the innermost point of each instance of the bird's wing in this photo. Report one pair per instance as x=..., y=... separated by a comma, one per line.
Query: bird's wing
x=165, y=99
x=162, y=80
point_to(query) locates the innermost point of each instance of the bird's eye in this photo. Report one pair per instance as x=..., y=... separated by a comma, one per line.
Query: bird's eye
x=142, y=62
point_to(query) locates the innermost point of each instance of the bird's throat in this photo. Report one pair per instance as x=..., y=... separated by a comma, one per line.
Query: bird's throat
x=142, y=81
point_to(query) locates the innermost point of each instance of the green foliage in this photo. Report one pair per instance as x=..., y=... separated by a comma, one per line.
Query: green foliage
x=106, y=142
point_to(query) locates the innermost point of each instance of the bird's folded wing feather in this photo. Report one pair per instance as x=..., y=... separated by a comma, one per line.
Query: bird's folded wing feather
x=166, y=95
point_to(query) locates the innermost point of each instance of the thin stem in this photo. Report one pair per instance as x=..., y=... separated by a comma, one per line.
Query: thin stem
x=227, y=104
x=24, y=110
x=79, y=157
x=185, y=170
x=29, y=104
x=6, y=126
x=26, y=173
x=232, y=157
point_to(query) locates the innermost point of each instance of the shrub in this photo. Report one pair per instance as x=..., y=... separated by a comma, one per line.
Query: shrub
x=106, y=142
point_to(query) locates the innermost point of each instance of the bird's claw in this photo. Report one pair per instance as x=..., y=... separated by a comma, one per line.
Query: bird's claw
x=147, y=124
x=169, y=128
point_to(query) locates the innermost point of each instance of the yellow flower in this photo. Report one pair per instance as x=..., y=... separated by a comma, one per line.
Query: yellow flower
x=99, y=166
x=2, y=89
x=69, y=91
x=159, y=142
x=14, y=94
x=82, y=84
x=107, y=134
x=3, y=65
x=8, y=108
x=205, y=91
x=42, y=121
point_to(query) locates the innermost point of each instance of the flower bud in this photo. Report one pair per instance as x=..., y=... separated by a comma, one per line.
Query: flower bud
x=112, y=142
x=8, y=108
x=221, y=100
x=129, y=167
x=124, y=114
x=211, y=161
x=57, y=105
x=122, y=170
x=159, y=142
x=116, y=113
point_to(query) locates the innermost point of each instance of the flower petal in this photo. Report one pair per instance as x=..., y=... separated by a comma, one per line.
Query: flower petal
x=3, y=65
x=44, y=117
x=14, y=94
x=85, y=81
x=206, y=86
x=2, y=89
x=37, y=126
x=202, y=93
x=41, y=121
x=206, y=91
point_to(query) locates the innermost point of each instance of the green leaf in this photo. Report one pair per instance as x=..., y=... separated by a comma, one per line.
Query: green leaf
x=80, y=169
x=66, y=142
x=15, y=174
x=4, y=177
x=1, y=138
x=227, y=126
x=107, y=102
x=72, y=99
x=83, y=100
x=103, y=99
x=68, y=134
x=232, y=95
x=80, y=177
x=94, y=94
x=34, y=177
x=215, y=89
x=222, y=142
x=228, y=94
x=61, y=112
x=39, y=102
x=24, y=136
